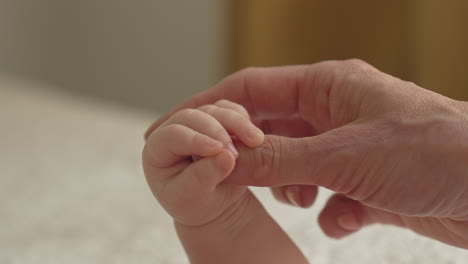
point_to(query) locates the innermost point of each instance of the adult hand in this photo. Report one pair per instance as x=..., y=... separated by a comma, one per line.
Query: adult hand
x=393, y=152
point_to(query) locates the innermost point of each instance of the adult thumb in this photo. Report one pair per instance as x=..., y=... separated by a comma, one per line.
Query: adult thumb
x=328, y=160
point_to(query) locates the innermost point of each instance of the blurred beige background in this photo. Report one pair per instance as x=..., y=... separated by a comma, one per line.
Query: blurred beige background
x=144, y=53
x=153, y=54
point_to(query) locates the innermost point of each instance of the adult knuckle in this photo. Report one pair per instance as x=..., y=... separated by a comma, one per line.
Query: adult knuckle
x=267, y=162
x=358, y=63
x=355, y=71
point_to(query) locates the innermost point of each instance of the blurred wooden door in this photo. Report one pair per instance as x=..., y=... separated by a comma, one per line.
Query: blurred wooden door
x=423, y=41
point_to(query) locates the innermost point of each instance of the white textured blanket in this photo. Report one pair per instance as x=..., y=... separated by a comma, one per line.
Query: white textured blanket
x=72, y=191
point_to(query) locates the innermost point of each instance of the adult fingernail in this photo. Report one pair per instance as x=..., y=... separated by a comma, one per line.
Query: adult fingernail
x=292, y=194
x=233, y=149
x=349, y=222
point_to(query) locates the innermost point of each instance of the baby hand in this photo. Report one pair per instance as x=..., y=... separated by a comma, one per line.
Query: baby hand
x=191, y=189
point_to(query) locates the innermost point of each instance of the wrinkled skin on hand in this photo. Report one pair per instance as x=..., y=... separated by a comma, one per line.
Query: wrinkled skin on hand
x=393, y=152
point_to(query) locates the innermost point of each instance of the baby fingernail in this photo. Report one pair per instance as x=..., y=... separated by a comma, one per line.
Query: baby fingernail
x=255, y=133
x=212, y=143
x=292, y=193
x=233, y=149
x=349, y=222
